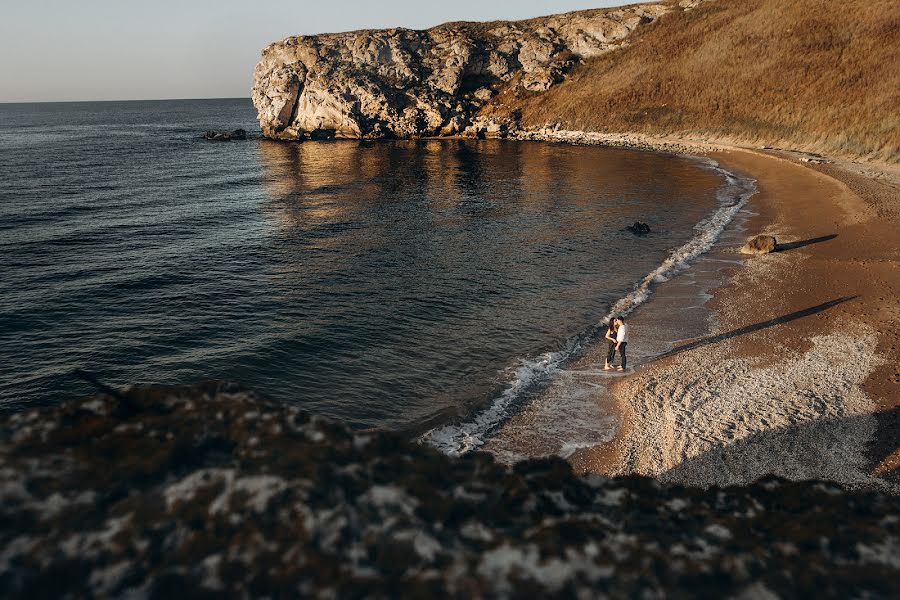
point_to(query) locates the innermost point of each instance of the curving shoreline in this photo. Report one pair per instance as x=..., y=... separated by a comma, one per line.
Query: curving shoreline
x=796, y=374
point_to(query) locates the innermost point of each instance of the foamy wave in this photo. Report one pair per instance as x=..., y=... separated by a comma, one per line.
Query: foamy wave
x=732, y=198
x=464, y=437
x=570, y=448
x=461, y=438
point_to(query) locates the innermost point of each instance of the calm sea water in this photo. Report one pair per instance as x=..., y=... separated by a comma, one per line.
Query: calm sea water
x=381, y=283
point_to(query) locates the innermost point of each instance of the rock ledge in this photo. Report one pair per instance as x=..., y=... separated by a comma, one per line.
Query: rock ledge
x=197, y=491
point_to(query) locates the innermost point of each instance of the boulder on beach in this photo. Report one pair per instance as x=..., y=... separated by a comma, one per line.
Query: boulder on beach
x=639, y=228
x=761, y=244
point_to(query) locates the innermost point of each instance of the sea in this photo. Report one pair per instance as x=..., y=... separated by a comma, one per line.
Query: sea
x=414, y=285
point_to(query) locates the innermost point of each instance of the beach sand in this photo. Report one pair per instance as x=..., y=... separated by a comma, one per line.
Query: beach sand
x=797, y=373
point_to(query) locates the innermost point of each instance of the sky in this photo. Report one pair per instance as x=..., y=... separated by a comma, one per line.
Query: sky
x=63, y=50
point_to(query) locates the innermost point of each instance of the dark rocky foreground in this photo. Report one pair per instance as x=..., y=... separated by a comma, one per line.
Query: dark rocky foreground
x=185, y=492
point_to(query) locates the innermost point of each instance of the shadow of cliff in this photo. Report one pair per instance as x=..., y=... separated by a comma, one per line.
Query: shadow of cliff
x=719, y=337
x=811, y=450
x=802, y=243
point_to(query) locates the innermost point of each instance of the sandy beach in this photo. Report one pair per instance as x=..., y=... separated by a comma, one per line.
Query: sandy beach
x=797, y=373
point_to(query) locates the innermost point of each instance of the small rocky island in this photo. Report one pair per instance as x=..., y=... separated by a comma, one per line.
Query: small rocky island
x=195, y=491
x=225, y=136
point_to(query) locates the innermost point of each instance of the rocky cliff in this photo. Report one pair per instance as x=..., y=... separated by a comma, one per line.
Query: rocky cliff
x=210, y=490
x=806, y=75
x=404, y=83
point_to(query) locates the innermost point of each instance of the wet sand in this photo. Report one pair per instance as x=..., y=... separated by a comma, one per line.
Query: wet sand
x=797, y=371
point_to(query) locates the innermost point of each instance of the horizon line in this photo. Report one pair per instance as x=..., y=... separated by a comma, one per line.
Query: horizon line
x=122, y=100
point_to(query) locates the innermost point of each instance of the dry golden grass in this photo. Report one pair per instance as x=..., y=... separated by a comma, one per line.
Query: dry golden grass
x=816, y=75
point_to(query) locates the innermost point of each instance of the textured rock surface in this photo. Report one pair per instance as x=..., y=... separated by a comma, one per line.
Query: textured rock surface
x=186, y=492
x=404, y=83
x=761, y=244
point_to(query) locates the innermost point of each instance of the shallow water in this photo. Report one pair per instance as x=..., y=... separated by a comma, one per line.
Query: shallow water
x=381, y=283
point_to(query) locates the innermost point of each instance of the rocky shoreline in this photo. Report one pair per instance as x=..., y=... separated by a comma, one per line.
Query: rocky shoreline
x=194, y=491
x=629, y=141
x=829, y=408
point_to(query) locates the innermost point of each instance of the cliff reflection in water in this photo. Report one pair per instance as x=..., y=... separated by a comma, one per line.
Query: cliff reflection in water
x=408, y=277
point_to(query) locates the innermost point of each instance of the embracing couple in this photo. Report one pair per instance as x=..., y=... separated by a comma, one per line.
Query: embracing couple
x=617, y=334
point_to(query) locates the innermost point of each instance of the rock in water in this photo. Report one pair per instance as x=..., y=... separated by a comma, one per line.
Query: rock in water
x=404, y=83
x=210, y=491
x=639, y=228
x=761, y=244
x=224, y=136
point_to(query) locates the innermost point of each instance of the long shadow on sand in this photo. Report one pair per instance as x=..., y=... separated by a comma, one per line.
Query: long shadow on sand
x=813, y=447
x=712, y=339
x=802, y=243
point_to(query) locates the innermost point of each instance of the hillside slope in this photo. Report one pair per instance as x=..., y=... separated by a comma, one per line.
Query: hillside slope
x=816, y=75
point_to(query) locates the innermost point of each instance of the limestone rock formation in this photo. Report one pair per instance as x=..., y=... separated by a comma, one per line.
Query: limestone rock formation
x=210, y=491
x=404, y=83
x=761, y=244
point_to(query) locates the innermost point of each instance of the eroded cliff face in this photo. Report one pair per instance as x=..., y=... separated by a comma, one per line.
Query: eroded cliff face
x=404, y=83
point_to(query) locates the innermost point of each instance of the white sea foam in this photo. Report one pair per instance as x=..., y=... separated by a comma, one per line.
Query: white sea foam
x=460, y=438
x=569, y=448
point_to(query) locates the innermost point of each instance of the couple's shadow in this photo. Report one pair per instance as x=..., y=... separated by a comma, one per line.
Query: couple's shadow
x=719, y=337
x=812, y=450
x=802, y=243
x=813, y=446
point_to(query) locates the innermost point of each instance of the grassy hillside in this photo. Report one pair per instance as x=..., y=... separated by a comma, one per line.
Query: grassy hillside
x=817, y=75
